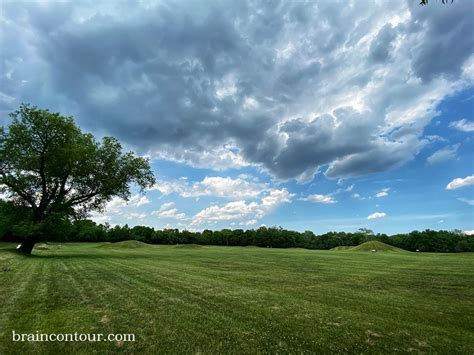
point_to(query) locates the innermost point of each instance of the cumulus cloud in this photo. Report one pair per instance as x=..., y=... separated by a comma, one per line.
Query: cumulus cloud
x=138, y=200
x=166, y=206
x=242, y=210
x=469, y=232
x=168, y=210
x=463, y=125
x=460, y=182
x=376, y=215
x=240, y=187
x=118, y=208
x=444, y=154
x=252, y=222
x=243, y=83
x=320, y=199
x=100, y=218
x=117, y=204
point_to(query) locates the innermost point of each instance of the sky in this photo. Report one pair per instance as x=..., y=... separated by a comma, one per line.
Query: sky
x=319, y=115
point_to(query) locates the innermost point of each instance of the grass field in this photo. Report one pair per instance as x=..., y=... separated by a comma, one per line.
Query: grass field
x=193, y=299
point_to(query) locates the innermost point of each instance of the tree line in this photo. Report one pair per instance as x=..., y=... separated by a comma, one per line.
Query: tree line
x=14, y=228
x=52, y=175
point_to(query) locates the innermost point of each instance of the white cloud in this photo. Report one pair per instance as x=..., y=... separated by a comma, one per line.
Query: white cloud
x=231, y=211
x=138, y=200
x=226, y=87
x=219, y=158
x=134, y=215
x=4, y=196
x=463, y=125
x=240, y=210
x=172, y=213
x=327, y=199
x=383, y=192
x=469, y=232
x=168, y=210
x=376, y=215
x=100, y=218
x=460, y=182
x=252, y=222
x=166, y=206
x=276, y=197
x=240, y=187
x=443, y=154
x=117, y=204
x=250, y=103
x=118, y=208
x=169, y=187
x=468, y=201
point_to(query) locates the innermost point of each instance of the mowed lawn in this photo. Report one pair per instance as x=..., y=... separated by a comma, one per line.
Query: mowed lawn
x=192, y=299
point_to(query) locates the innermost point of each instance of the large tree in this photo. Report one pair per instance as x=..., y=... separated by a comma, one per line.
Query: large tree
x=50, y=169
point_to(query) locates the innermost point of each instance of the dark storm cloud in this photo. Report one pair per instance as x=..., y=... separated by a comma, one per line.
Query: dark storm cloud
x=318, y=142
x=381, y=156
x=446, y=41
x=182, y=80
x=382, y=44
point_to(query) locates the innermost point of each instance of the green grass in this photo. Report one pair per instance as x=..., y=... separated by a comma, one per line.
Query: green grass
x=238, y=300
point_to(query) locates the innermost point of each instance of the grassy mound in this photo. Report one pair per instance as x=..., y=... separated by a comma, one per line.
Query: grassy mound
x=188, y=246
x=342, y=247
x=377, y=246
x=127, y=244
x=42, y=246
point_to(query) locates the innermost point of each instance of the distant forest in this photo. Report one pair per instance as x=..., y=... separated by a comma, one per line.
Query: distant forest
x=13, y=228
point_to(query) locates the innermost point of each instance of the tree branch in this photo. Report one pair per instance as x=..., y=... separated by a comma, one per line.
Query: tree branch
x=21, y=193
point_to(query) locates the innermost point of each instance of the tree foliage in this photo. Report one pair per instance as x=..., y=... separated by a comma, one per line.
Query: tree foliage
x=49, y=167
x=89, y=231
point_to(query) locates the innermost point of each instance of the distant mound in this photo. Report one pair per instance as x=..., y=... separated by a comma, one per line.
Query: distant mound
x=342, y=247
x=188, y=246
x=42, y=246
x=126, y=244
x=374, y=245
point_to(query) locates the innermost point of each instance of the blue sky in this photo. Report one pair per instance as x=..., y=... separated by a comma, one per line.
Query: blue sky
x=311, y=116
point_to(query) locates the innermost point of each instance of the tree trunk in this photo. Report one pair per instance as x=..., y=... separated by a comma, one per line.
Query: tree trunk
x=27, y=245
x=29, y=242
